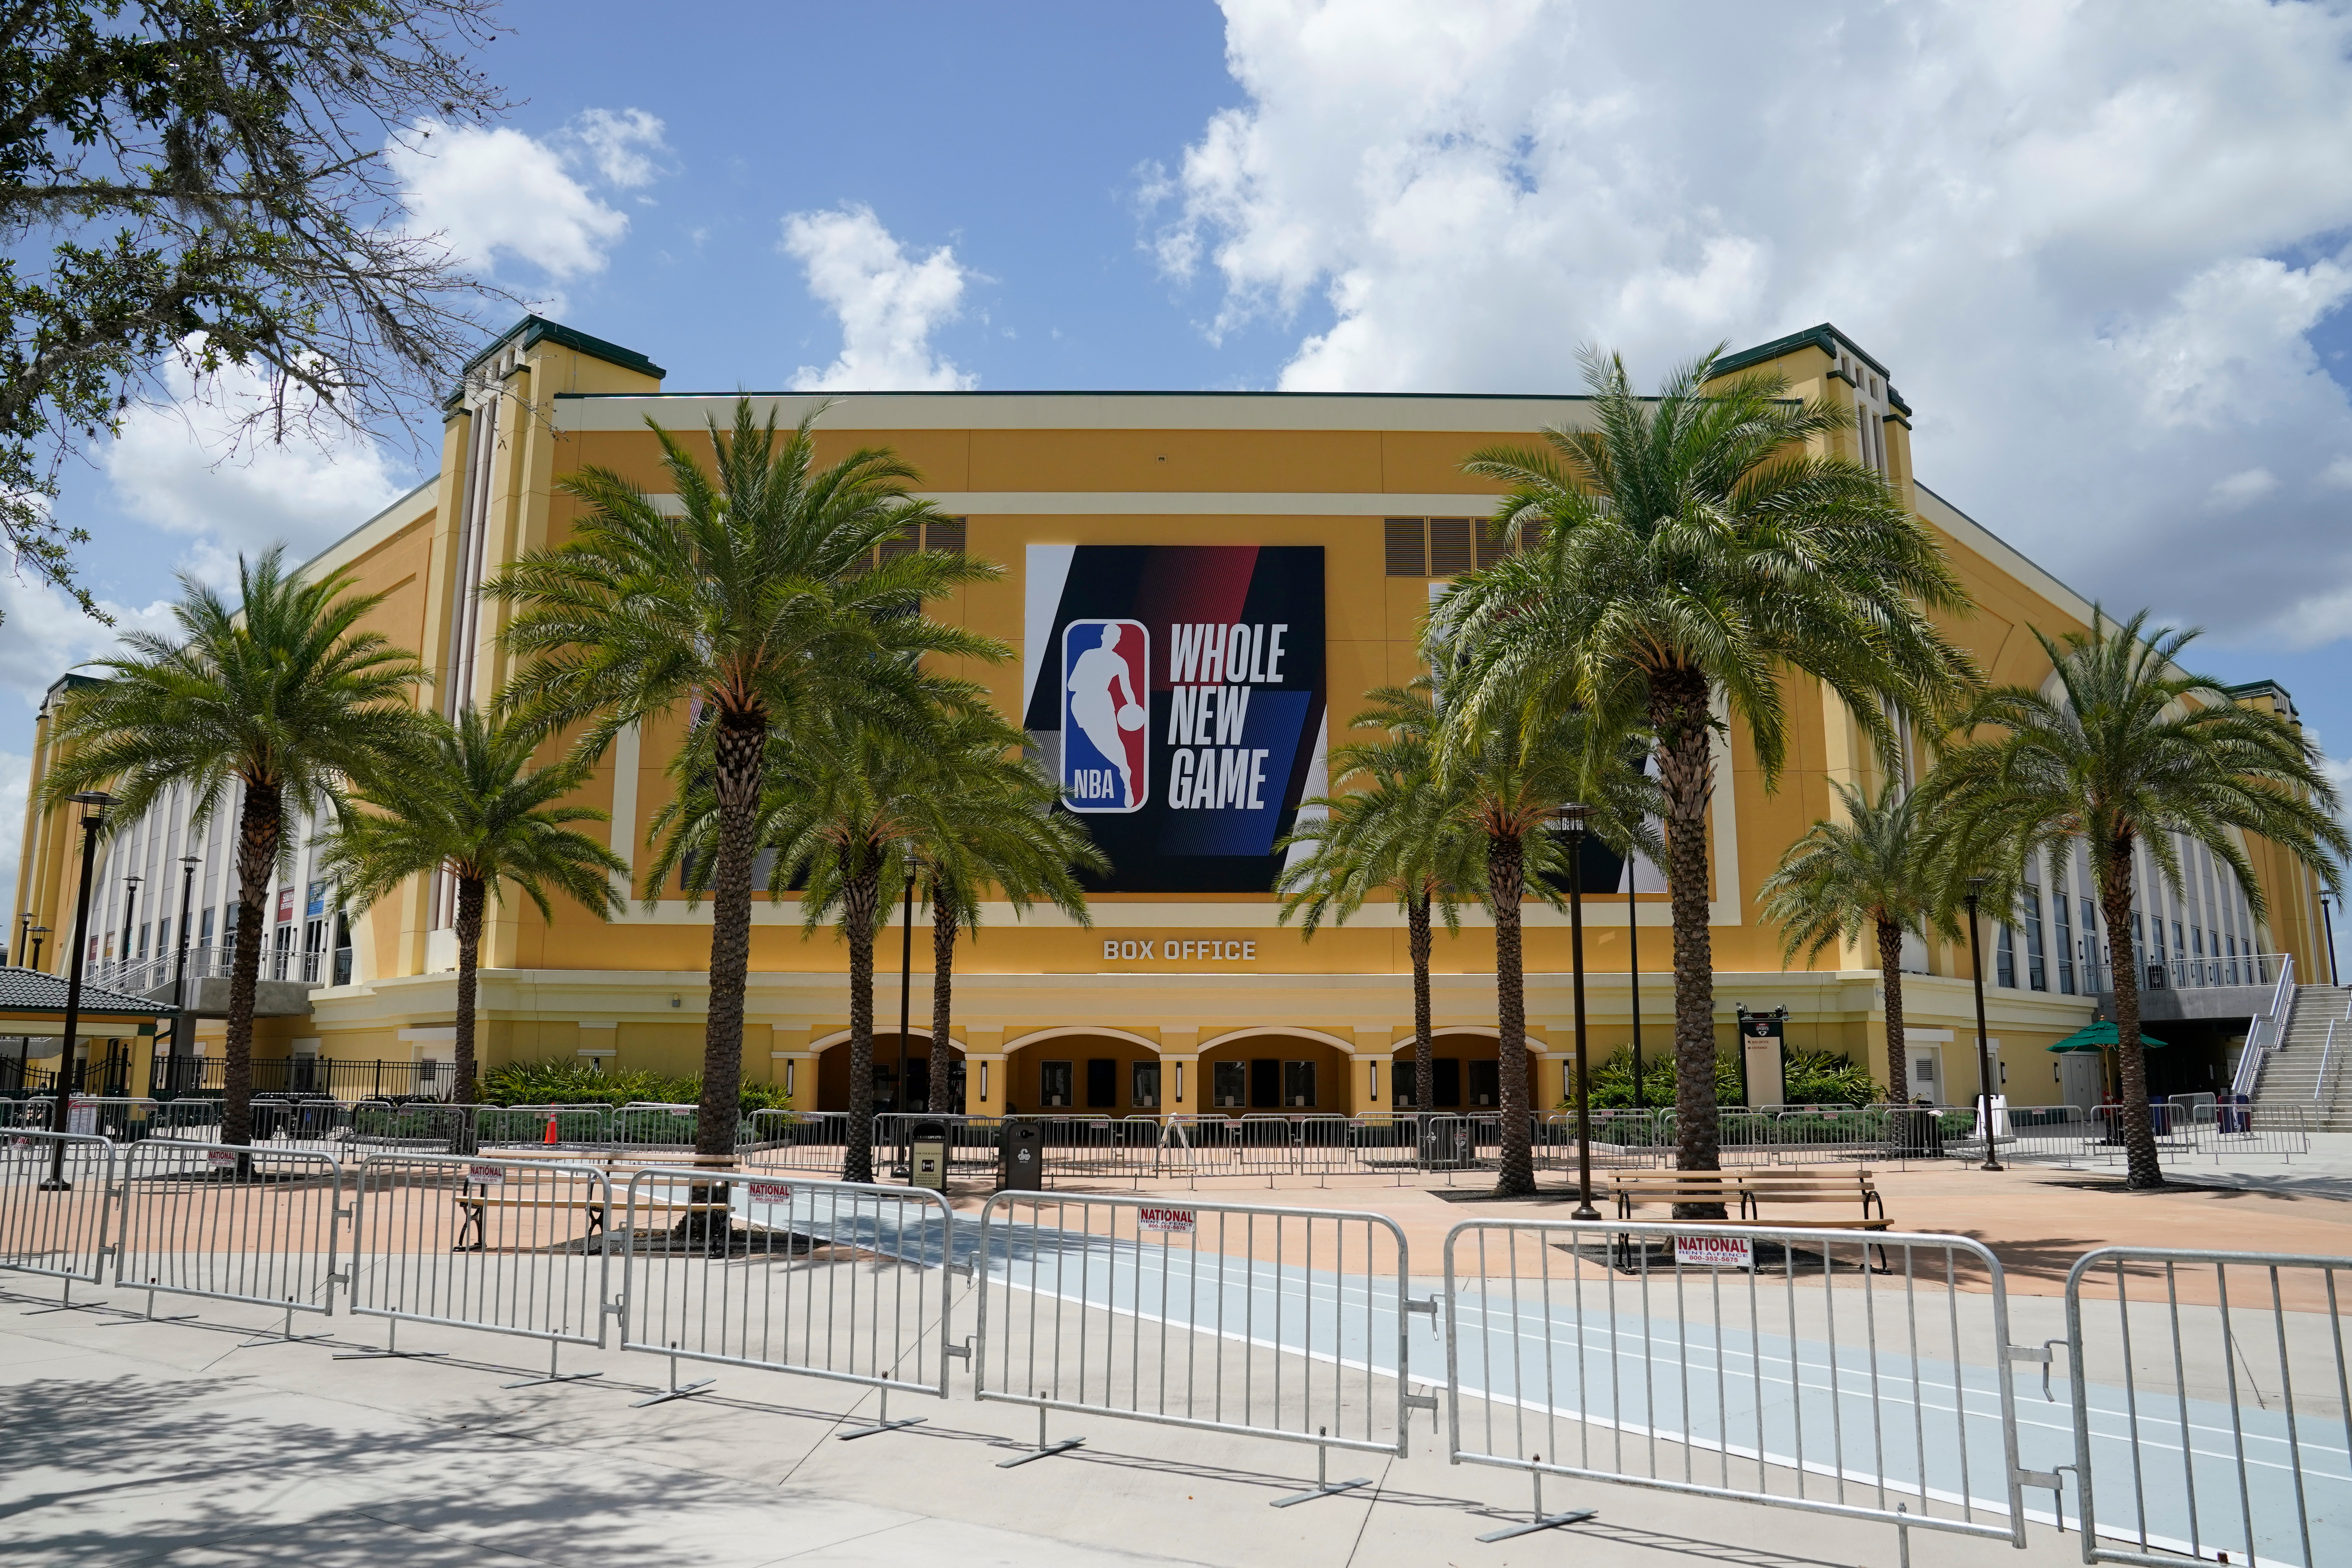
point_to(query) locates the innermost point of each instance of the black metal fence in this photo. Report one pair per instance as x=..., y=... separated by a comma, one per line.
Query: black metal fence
x=175, y=1076
x=106, y=1075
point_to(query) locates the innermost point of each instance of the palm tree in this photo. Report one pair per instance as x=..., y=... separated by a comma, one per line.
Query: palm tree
x=762, y=602
x=1692, y=549
x=987, y=821
x=1509, y=779
x=847, y=789
x=2130, y=750
x=473, y=806
x=281, y=697
x=1404, y=832
x=1868, y=874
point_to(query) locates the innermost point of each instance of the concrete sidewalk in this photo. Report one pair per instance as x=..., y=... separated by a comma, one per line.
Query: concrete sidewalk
x=202, y=1442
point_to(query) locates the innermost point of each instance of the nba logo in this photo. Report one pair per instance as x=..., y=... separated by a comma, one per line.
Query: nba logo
x=1106, y=701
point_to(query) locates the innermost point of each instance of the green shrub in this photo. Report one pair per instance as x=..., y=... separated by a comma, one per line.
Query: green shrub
x=558, y=1082
x=1813, y=1078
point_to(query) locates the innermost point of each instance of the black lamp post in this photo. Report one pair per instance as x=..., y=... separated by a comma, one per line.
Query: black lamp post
x=188, y=864
x=39, y=932
x=129, y=914
x=1633, y=964
x=2329, y=921
x=906, y=979
x=24, y=934
x=1984, y=1051
x=97, y=801
x=1571, y=816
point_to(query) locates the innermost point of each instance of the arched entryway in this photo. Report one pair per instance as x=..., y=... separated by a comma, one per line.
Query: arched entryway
x=833, y=1074
x=1082, y=1071
x=1466, y=1072
x=1277, y=1072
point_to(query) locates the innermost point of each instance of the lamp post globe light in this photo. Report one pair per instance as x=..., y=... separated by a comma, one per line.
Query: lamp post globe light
x=1984, y=1051
x=1571, y=817
x=39, y=932
x=92, y=820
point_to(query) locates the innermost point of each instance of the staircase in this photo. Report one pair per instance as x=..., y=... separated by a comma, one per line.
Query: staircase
x=2308, y=1070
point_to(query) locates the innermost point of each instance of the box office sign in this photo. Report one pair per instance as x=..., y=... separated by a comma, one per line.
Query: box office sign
x=1177, y=694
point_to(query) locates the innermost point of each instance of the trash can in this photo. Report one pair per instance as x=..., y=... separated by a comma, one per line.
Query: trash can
x=928, y=1158
x=1021, y=1146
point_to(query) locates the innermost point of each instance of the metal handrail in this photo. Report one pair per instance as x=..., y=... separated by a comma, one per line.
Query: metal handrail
x=2260, y=1042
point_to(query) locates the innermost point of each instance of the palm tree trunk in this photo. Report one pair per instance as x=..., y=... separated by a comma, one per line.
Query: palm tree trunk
x=1506, y=884
x=943, y=940
x=2141, y=1167
x=1424, y=1053
x=261, y=822
x=1678, y=711
x=1890, y=979
x=859, y=900
x=741, y=754
x=469, y=958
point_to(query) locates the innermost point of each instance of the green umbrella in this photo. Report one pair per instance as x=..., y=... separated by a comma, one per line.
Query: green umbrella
x=2098, y=1037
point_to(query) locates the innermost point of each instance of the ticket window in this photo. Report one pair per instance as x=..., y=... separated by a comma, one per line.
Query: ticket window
x=1445, y=1083
x=1265, y=1084
x=1054, y=1081
x=1298, y=1086
x=1102, y=1083
x=1228, y=1086
x=1486, y=1085
x=1402, y=1081
x=1144, y=1091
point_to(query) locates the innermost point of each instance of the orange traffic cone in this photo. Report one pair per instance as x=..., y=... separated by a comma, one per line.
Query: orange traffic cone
x=551, y=1130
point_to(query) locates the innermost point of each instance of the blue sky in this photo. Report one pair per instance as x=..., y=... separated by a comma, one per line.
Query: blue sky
x=2102, y=249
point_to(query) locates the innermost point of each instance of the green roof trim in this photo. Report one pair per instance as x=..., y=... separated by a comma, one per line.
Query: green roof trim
x=1824, y=337
x=536, y=330
x=1894, y=398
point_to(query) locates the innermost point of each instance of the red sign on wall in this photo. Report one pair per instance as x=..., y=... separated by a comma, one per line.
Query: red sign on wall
x=285, y=904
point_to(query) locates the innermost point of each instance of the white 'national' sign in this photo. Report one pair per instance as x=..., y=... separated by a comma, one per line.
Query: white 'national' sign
x=770, y=1193
x=1714, y=1252
x=1179, y=1221
x=487, y=1175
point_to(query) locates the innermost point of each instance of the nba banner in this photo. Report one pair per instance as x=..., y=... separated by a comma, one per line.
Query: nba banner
x=1176, y=692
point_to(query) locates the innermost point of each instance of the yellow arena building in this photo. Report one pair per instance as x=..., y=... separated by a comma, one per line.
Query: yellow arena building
x=1241, y=567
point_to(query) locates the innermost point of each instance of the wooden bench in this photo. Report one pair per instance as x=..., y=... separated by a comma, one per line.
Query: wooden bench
x=474, y=1200
x=1746, y=1193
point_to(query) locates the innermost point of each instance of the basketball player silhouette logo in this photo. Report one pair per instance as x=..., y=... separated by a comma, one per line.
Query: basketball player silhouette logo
x=1106, y=697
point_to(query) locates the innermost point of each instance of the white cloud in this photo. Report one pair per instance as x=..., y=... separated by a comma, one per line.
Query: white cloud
x=197, y=467
x=2337, y=475
x=500, y=194
x=621, y=145
x=43, y=634
x=2240, y=492
x=889, y=303
x=2083, y=238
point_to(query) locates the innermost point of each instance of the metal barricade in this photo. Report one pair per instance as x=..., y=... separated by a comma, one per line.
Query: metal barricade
x=2049, y=1132
x=1270, y=1322
x=2257, y=1130
x=316, y=1124
x=833, y=1279
x=229, y=1223
x=412, y=1126
x=541, y=1126
x=796, y=1141
x=655, y=1128
x=116, y=1118
x=1852, y=1372
x=56, y=1229
x=1828, y=1134
x=511, y=1247
x=2211, y=1417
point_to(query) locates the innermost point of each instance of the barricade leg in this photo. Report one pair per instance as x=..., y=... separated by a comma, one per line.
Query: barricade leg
x=288, y=1337
x=675, y=1391
x=555, y=1349
x=151, y=1317
x=1543, y=1521
x=391, y=1350
x=1324, y=1485
x=881, y=1423
x=1044, y=1450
